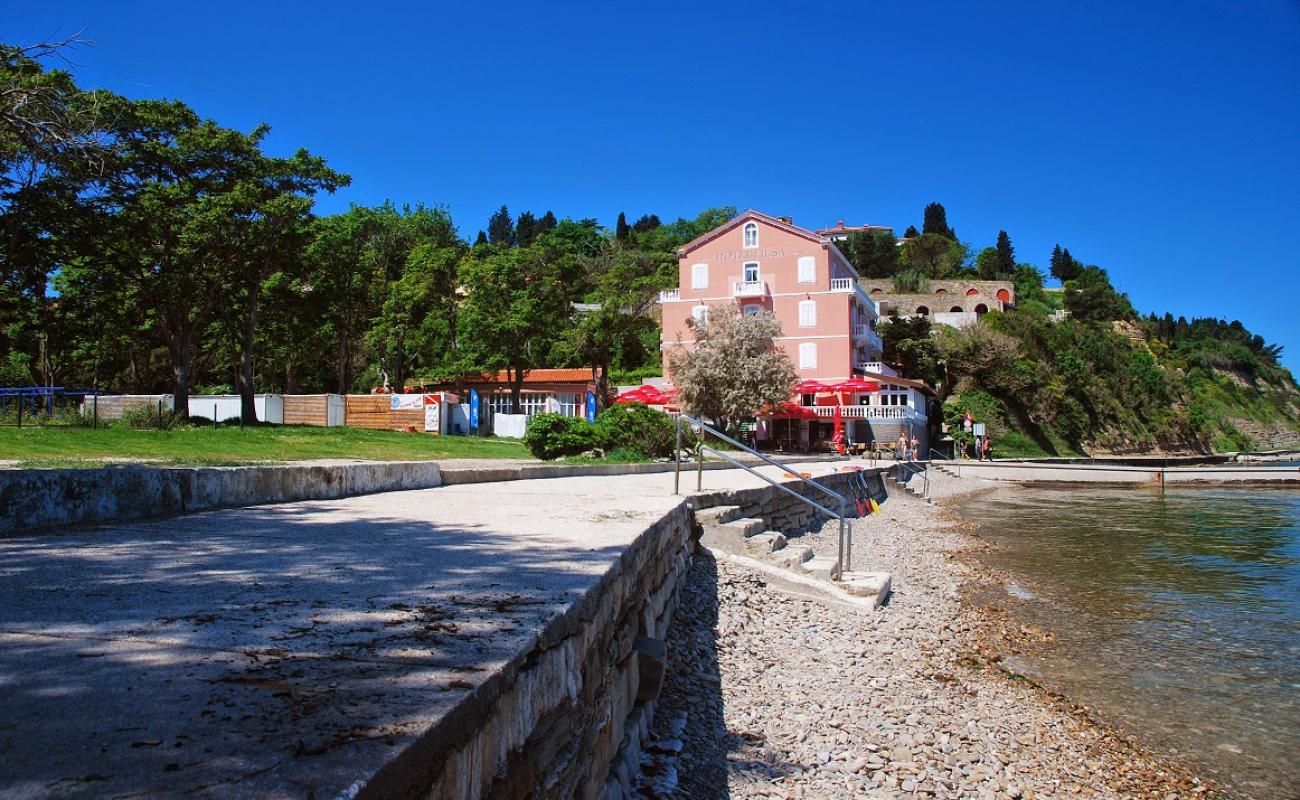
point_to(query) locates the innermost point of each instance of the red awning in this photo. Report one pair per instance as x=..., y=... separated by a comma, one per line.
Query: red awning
x=856, y=385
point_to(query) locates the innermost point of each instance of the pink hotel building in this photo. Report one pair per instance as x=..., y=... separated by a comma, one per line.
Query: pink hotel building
x=765, y=263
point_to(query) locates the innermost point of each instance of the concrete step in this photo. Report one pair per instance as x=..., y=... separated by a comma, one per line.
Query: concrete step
x=731, y=536
x=871, y=585
x=791, y=557
x=717, y=515
x=822, y=567
x=763, y=544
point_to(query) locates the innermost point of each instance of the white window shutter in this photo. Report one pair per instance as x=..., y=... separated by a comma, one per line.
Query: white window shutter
x=807, y=313
x=701, y=315
x=807, y=269
x=808, y=355
x=700, y=276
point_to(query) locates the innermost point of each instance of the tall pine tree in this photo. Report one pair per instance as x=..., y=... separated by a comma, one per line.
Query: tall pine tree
x=501, y=230
x=936, y=221
x=1004, y=263
x=621, y=229
x=546, y=223
x=526, y=229
x=911, y=232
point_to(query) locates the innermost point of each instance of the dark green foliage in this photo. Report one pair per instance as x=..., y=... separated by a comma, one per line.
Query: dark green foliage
x=546, y=223
x=910, y=281
x=910, y=346
x=1091, y=298
x=936, y=222
x=911, y=232
x=621, y=229
x=480, y=239
x=1063, y=266
x=550, y=436
x=874, y=254
x=646, y=223
x=526, y=229
x=501, y=230
x=638, y=428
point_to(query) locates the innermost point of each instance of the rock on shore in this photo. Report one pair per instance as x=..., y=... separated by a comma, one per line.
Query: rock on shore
x=774, y=695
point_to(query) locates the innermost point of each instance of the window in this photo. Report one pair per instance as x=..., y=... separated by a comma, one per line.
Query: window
x=807, y=269
x=568, y=403
x=751, y=234
x=751, y=272
x=808, y=355
x=751, y=309
x=699, y=276
x=700, y=314
x=807, y=399
x=807, y=313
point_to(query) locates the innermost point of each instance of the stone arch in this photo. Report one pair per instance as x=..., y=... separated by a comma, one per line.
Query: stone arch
x=942, y=293
x=981, y=309
x=923, y=311
x=972, y=292
x=956, y=309
x=877, y=291
x=1004, y=296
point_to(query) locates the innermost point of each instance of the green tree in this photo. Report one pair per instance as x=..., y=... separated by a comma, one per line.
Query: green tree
x=1089, y=297
x=874, y=254
x=526, y=229
x=936, y=222
x=514, y=309
x=933, y=255
x=911, y=232
x=501, y=230
x=1063, y=266
x=621, y=229
x=625, y=287
x=910, y=346
x=735, y=368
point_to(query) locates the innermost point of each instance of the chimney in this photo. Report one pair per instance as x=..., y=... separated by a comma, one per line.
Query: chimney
x=840, y=224
x=788, y=220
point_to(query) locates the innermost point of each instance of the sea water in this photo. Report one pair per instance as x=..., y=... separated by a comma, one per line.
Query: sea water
x=1176, y=616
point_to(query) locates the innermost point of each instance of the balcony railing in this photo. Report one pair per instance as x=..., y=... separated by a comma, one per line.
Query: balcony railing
x=877, y=368
x=870, y=412
x=670, y=295
x=843, y=284
x=748, y=289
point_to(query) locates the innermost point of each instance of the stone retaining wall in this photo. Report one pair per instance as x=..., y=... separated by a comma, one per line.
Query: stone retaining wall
x=567, y=717
x=33, y=499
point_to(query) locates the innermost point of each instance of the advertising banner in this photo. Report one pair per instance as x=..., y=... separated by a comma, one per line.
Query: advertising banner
x=433, y=418
x=473, y=409
x=406, y=402
x=591, y=406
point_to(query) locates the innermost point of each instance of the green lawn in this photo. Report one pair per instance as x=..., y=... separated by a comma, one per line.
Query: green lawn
x=59, y=446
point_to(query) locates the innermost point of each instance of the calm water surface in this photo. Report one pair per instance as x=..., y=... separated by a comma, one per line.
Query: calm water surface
x=1176, y=615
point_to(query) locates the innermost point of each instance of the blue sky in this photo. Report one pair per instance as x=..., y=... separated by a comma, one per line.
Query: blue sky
x=1161, y=141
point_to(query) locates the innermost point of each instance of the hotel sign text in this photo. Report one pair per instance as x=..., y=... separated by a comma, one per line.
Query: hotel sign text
x=751, y=254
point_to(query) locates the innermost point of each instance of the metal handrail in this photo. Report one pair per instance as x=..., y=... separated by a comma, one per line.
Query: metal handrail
x=915, y=470
x=844, y=558
x=944, y=457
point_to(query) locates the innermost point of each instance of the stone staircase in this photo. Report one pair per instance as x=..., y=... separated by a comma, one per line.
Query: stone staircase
x=912, y=485
x=725, y=528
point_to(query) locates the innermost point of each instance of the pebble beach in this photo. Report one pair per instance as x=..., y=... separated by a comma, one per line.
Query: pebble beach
x=775, y=693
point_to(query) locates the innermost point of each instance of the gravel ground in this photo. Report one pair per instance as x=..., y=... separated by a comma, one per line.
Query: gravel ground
x=771, y=695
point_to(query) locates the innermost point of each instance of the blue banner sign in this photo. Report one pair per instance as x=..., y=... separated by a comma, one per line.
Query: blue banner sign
x=473, y=409
x=591, y=406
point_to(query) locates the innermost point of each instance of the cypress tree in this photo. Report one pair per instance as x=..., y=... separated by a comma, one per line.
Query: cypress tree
x=936, y=221
x=1005, y=261
x=482, y=239
x=1056, y=261
x=621, y=229
x=911, y=232
x=546, y=223
x=501, y=230
x=526, y=229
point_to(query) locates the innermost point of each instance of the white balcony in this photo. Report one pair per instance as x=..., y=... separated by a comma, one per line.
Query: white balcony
x=748, y=289
x=670, y=295
x=877, y=368
x=843, y=284
x=870, y=412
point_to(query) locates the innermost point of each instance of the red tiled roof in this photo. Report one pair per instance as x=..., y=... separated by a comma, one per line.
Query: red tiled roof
x=577, y=375
x=775, y=222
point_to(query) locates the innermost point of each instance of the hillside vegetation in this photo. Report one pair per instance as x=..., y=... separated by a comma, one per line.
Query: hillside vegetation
x=1101, y=380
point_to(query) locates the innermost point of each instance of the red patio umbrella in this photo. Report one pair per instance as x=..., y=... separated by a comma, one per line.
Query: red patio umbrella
x=854, y=386
x=632, y=396
x=810, y=387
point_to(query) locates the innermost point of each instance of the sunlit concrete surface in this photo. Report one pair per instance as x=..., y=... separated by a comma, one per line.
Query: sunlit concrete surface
x=288, y=650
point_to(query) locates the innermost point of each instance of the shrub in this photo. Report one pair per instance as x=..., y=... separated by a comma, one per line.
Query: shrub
x=142, y=417
x=637, y=427
x=550, y=436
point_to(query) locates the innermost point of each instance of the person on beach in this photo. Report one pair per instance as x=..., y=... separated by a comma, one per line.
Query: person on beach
x=900, y=450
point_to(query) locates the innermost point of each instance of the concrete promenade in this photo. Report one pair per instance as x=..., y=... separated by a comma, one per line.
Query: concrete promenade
x=288, y=650
x=1036, y=472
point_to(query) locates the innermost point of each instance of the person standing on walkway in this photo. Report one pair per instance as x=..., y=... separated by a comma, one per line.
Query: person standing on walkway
x=988, y=448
